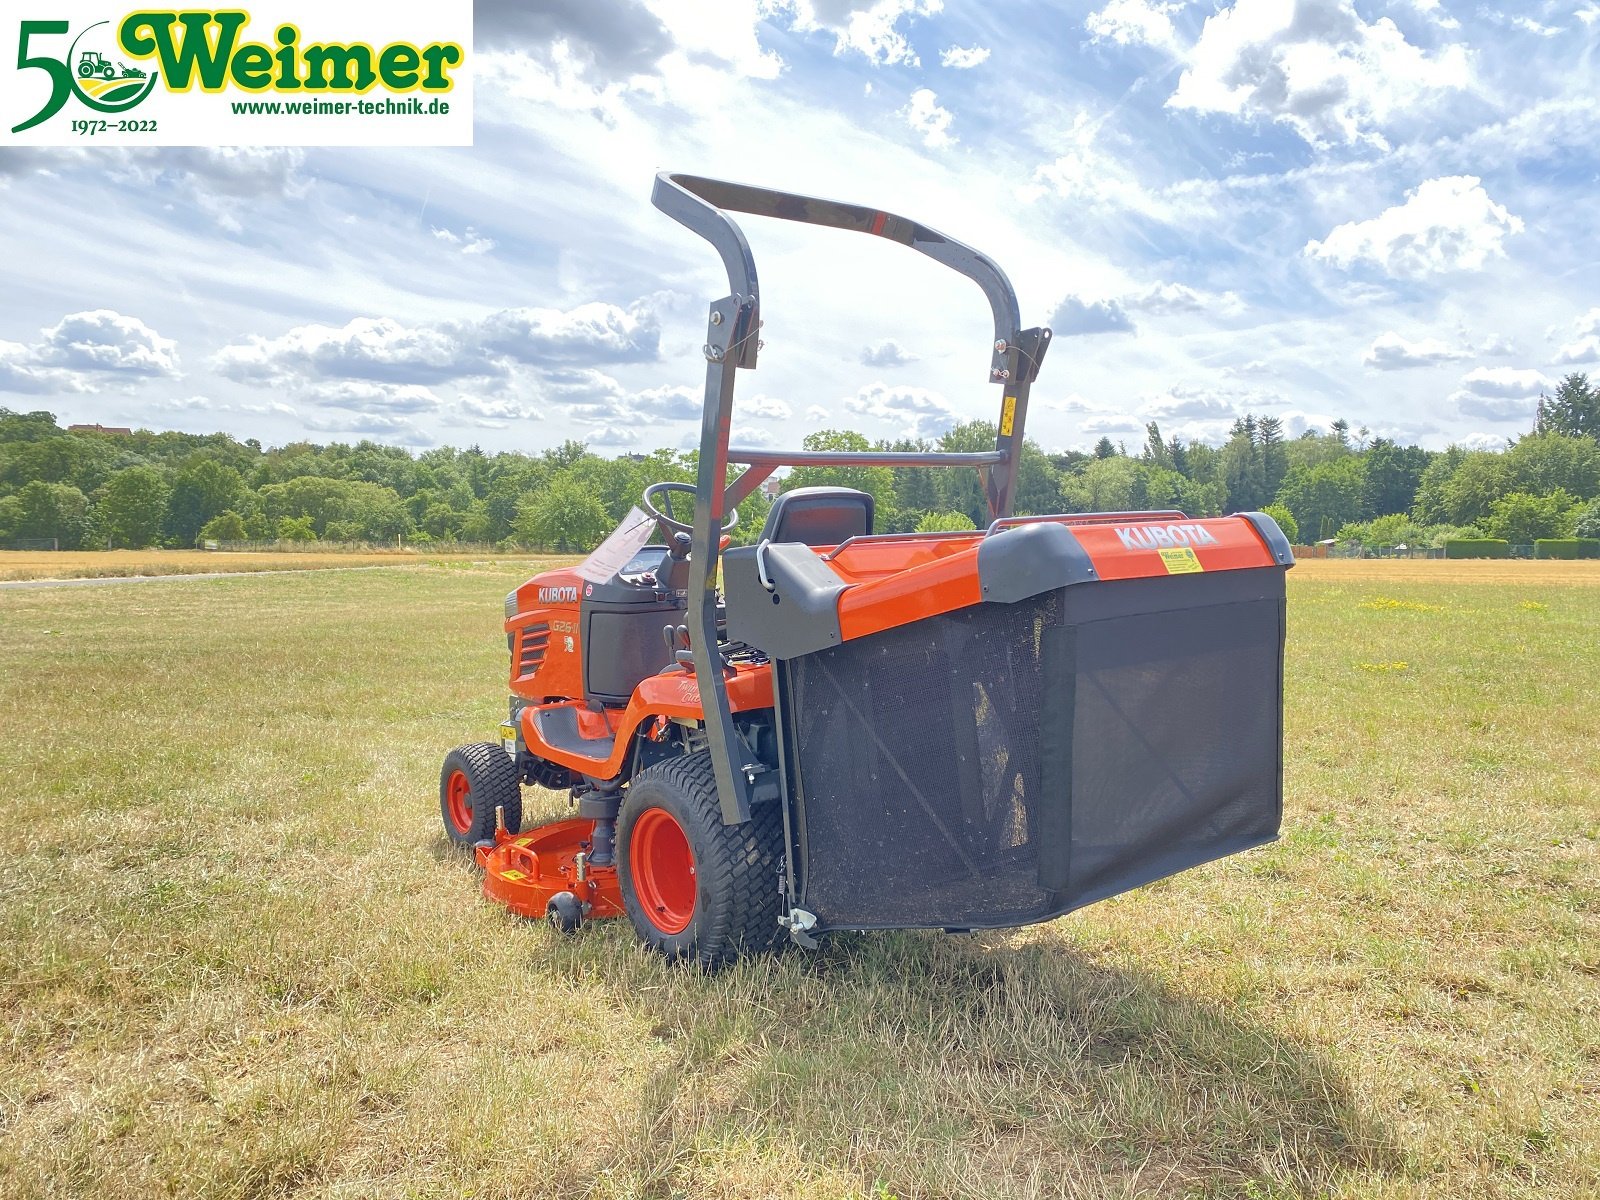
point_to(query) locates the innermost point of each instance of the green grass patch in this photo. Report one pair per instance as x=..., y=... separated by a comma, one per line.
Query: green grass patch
x=237, y=958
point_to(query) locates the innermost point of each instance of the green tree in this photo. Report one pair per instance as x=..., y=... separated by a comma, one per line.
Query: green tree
x=1393, y=474
x=564, y=517
x=1574, y=410
x=1274, y=457
x=1541, y=463
x=132, y=507
x=1325, y=497
x=52, y=510
x=201, y=489
x=1242, y=468
x=224, y=527
x=944, y=522
x=1285, y=520
x=1429, y=507
x=295, y=529
x=878, y=481
x=1522, y=518
x=1472, y=488
x=1586, y=522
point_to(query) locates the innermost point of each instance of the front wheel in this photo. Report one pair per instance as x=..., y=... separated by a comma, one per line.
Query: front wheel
x=694, y=887
x=475, y=780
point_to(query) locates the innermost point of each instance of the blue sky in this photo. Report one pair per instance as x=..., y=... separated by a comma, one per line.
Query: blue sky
x=1380, y=211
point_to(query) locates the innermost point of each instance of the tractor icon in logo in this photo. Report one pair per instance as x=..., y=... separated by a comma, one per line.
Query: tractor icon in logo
x=102, y=82
x=94, y=63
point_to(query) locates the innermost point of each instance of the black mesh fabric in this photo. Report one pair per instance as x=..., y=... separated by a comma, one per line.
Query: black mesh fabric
x=1003, y=764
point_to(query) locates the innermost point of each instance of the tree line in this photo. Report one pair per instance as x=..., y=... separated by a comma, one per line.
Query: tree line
x=96, y=489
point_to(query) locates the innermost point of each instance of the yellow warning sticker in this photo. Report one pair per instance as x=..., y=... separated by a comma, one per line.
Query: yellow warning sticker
x=1008, y=416
x=1180, y=560
x=523, y=841
x=511, y=875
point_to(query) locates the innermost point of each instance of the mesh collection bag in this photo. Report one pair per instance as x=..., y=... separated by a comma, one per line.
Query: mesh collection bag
x=1006, y=763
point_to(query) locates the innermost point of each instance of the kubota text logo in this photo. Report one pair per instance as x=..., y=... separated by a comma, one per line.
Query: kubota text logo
x=339, y=72
x=1157, y=537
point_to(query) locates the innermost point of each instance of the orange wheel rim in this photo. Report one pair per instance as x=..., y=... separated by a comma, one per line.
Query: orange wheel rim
x=662, y=866
x=458, y=801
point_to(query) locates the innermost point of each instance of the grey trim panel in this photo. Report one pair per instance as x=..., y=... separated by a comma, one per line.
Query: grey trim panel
x=1019, y=561
x=799, y=616
x=1272, y=535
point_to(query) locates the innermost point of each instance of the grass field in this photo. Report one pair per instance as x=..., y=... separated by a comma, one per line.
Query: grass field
x=237, y=959
x=16, y=565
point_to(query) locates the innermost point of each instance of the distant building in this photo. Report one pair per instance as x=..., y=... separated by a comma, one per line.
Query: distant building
x=118, y=430
x=771, y=487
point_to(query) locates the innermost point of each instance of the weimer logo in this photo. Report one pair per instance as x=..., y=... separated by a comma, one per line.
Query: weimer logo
x=228, y=76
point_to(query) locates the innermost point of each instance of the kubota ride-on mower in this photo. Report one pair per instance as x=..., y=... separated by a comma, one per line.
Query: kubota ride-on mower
x=875, y=731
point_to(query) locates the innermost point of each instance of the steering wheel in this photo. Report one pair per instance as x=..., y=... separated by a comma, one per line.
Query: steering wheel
x=665, y=519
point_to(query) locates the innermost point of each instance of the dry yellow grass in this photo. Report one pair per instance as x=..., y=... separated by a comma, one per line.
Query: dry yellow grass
x=1532, y=572
x=237, y=959
x=102, y=564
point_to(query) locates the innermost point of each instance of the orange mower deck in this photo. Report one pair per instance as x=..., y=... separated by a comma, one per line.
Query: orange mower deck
x=525, y=871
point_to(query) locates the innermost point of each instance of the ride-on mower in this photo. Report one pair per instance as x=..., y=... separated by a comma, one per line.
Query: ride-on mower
x=874, y=731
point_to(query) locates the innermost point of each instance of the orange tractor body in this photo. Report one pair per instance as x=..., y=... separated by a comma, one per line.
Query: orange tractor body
x=860, y=730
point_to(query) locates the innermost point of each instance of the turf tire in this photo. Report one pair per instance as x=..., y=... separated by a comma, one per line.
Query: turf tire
x=491, y=779
x=737, y=902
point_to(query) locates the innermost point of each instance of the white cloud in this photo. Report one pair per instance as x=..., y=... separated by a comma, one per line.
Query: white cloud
x=870, y=29
x=1493, y=408
x=1073, y=403
x=496, y=410
x=611, y=435
x=765, y=407
x=1112, y=424
x=1391, y=352
x=1482, y=441
x=1588, y=14
x=378, y=348
x=1163, y=299
x=383, y=349
x=1075, y=315
x=1585, y=346
x=1502, y=382
x=925, y=116
x=1135, y=23
x=588, y=332
x=1529, y=25
x=85, y=351
x=919, y=412
x=1445, y=224
x=1431, y=10
x=470, y=242
x=103, y=340
x=395, y=429
x=666, y=403
x=1315, y=66
x=1490, y=408
x=1187, y=403
x=1087, y=174
x=364, y=395
x=886, y=354
x=960, y=58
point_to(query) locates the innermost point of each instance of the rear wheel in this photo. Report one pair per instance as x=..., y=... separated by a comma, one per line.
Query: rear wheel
x=694, y=887
x=474, y=780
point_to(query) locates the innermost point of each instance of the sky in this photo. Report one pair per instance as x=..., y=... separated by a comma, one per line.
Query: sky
x=1384, y=212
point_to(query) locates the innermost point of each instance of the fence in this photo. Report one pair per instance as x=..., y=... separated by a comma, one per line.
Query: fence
x=32, y=544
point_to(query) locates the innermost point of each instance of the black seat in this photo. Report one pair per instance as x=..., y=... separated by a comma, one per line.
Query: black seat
x=819, y=516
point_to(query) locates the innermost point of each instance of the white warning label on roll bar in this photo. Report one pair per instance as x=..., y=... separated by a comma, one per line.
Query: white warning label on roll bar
x=611, y=555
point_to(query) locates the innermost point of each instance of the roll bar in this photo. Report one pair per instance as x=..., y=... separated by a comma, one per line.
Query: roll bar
x=733, y=341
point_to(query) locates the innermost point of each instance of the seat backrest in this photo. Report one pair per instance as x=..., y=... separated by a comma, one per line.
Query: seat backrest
x=819, y=516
